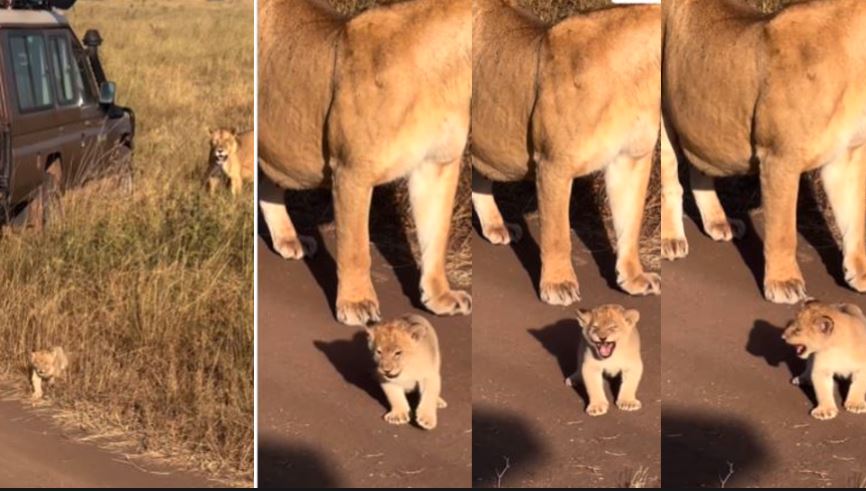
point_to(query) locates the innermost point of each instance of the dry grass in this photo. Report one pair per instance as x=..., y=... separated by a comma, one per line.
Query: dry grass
x=151, y=292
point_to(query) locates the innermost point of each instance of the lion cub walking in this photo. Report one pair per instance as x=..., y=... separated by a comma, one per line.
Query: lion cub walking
x=610, y=346
x=47, y=366
x=832, y=337
x=406, y=352
x=231, y=155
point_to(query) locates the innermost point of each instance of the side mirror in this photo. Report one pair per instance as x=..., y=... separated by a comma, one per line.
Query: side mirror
x=107, y=93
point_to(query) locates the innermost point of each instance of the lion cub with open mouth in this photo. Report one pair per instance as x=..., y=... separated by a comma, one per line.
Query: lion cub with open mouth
x=406, y=352
x=47, y=366
x=832, y=337
x=610, y=346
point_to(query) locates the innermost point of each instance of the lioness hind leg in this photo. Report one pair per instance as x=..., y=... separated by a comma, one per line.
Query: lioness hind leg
x=674, y=244
x=558, y=284
x=626, y=180
x=493, y=226
x=432, y=187
x=845, y=184
x=783, y=281
x=713, y=218
x=286, y=241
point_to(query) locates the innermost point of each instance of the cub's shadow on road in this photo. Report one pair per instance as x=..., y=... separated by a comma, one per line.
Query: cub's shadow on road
x=765, y=341
x=351, y=358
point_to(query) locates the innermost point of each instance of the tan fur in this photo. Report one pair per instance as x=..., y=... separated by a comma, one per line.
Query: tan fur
x=608, y=324
x=555, y=103
x=832, y=337
x=46, y=366
x=776, y=95
x=231, y=155
x=355, y=103
x=406, y=352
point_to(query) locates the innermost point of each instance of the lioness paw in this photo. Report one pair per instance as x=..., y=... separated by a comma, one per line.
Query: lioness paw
x=503, y=233
x=855, y=276
x=788, y=291
x=628, y=405
x=856, y=407
x=643, y=284
x=358, y=313
x=295, y=247
x=452, y=302
x=725, y=231
x=597, y=409
x=397, y=417
x=426, y=419
x=824, y=413
x=564, y=294
x=675, y=248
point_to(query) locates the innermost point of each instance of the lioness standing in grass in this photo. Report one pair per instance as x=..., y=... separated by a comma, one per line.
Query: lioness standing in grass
x=46, y=366
x=552, y=103
x=232, y=156
x=776, y=95
x=354, y=103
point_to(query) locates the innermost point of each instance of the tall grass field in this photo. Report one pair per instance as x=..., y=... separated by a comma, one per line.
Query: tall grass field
x=151, y=291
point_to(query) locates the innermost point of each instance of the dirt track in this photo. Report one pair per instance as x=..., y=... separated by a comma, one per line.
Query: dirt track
x=728, y=404
x=522, y=349
x=34, y=453
x=320, y=411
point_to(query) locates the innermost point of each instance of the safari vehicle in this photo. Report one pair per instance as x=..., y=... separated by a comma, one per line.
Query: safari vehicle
x=59, y=125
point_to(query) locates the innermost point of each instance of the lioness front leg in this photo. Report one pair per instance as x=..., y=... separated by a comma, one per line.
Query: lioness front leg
x=425, y=415
x=626, y=180
x=855, y=402
x=432, y=187
x=399, y=413
x=674, y=244
x=823, y=383
x=286, y=241
x=357, y=304
x=493, y=226
x=558, y=284
x=627, y=399
x=783, y=281
x=713, y=218
x=845, y=184
x=593, y=380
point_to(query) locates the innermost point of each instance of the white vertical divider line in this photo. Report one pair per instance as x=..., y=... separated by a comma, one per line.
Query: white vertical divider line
x=256, y=245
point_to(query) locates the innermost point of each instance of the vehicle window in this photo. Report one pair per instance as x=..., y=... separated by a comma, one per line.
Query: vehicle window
x=82, y=75
x=65, y=73
x=30, y=67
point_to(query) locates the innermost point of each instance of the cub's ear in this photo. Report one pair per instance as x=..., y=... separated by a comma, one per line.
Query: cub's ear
x=32, y=357
x=632, y=316
x=584, y=317
x=234, y=130
x=825, y=325
x=417, y=326
x=850, y=309
x=209, y=130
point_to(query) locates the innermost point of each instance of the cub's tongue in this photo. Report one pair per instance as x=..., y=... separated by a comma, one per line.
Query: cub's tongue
x=605, y=349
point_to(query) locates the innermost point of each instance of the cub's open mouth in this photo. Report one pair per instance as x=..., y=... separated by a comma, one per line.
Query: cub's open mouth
x=605, y=349
x=391, y=375
x=801, y=349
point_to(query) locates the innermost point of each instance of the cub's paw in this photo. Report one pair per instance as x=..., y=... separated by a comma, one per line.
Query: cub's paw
x=295, y=247
x=725, y=231
x=441, y=404
x=564, y=293
x=824, y=412
x=503, y=233
x=397, y=417
x=856, y=407
x=628, y=405
x=642, y=284
x=788, y=291
x=426, y=419
x=597, y=409
x=452, y=302
x=359, y=313
x=676, y=248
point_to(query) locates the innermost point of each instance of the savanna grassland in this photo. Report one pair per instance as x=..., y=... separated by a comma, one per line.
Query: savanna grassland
x=151, y=291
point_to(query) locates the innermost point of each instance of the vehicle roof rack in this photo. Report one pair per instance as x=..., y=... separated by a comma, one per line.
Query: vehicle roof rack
x=37, y=4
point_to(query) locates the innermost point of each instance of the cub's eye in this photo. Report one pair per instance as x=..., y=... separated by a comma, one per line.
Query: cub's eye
x=378, y=351
x=398, y=353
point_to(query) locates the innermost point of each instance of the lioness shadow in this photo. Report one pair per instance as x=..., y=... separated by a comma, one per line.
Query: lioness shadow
x=505, y=449
x=765, y=341
x=287, y=465
x=351, y=358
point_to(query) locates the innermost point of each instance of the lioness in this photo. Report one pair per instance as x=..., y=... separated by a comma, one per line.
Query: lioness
x=231, y=155
x=610, y=345
x=776, y=95
x=47, y=366
x=832, y=337
x=552, y=103
x=406, y=352
x=354, y=103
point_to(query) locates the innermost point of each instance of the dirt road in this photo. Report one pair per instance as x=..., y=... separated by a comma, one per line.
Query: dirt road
x=729, y=410
x=34, y=453
x=320, y=411
x=529, y=429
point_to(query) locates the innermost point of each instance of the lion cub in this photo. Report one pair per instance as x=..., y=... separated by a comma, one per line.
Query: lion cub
x=832, y=337
x=231, y=155
x=406, y=352
x=46, y=365
x=610, y=346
